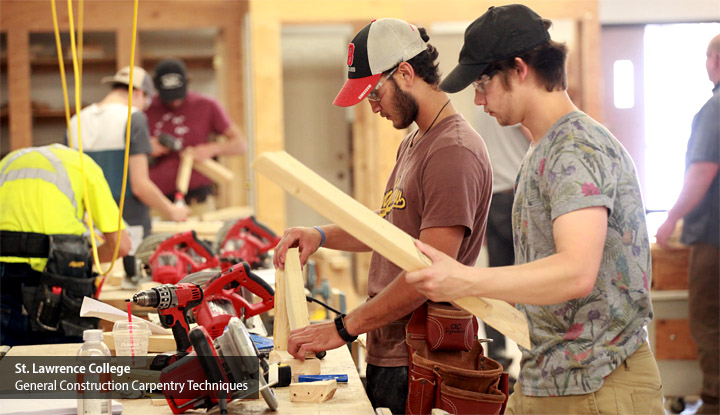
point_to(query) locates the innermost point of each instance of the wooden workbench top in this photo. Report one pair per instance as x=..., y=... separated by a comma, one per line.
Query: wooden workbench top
x=349, y=398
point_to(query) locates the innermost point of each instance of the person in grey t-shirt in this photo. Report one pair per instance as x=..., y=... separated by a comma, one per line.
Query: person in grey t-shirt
x=699, y=205
x=582, y=251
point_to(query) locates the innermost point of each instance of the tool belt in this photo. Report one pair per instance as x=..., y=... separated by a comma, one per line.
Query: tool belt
x=53, y=300
x=448, y=369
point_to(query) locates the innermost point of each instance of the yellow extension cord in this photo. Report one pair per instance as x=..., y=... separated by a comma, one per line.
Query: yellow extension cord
x=77, y=70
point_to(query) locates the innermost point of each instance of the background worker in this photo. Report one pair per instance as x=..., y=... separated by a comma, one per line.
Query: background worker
x=438, y=191
x=41, y=195
x=191, y=118
x=582, y=252
x=699, y=206
x=103, y=128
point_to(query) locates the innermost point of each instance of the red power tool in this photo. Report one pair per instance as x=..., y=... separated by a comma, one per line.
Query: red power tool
x=174, y=304
x=180, y=255
x=224, y=299
x=246, y=240
x=230, y=360
x=208, y=298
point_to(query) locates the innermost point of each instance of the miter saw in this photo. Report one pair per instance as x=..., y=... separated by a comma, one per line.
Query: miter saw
x=169, y=258
x=231, y=359
x=217, y=350
x=179, y=255
x=245, y=240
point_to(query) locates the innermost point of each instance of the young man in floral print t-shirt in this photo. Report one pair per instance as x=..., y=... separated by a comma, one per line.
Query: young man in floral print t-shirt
x=582, y=255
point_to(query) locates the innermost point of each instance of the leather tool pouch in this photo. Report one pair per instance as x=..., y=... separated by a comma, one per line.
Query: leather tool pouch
x=448, y=369
x=54, y=305
x=448, y=328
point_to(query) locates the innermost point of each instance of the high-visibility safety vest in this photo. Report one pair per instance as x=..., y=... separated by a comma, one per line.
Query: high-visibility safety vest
x=41, y=191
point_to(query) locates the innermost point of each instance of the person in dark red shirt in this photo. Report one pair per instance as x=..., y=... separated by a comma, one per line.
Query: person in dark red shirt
x=192, y=118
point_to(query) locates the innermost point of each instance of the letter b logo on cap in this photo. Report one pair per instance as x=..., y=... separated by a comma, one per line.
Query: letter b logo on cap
x=351, y=54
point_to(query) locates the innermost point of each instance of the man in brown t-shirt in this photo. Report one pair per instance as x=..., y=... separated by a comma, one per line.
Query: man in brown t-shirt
x=438, y=192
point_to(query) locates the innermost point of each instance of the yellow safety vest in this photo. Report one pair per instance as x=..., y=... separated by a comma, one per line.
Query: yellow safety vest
x=41, y=191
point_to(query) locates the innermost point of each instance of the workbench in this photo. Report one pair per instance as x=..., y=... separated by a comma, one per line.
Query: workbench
x=349, y=398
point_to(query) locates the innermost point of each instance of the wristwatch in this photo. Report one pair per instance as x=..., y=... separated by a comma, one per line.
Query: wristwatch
x=342, y=331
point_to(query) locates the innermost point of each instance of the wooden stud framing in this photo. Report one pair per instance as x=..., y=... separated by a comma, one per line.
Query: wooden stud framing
x=379, y=234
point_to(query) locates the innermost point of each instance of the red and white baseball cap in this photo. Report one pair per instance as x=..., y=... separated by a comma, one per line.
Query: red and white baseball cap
x=376, y=48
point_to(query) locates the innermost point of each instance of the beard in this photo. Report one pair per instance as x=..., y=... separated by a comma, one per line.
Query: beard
x=406, y=106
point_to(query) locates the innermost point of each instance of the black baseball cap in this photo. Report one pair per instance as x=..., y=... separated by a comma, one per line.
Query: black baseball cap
x=171, y=79
x=501, y=33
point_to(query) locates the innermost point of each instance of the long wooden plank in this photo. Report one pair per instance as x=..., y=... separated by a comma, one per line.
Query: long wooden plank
x=379, y=234
x=184, y=172
x=214, y=171
x=295, y=302
x=281, y=327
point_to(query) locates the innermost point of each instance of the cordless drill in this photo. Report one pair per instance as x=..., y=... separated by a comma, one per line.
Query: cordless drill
x=174, y=303
x=170, y=142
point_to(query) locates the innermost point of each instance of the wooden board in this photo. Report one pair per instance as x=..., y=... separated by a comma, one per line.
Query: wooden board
x=184, y=172
x=281, y=327
x=297, y=367
x=673, y=340
x=204, y=229
x=295, y=302
x=319, y=391
x=230, y=212
x=377, y=233
x=670, y=268
x=213, y=171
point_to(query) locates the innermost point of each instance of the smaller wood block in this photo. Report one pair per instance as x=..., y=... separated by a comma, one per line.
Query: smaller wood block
x=670, y=268
x=306, y=367
x=313, y=391
x=673, y=340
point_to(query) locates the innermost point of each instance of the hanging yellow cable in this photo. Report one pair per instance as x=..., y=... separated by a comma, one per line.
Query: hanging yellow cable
x=76, y=71
x=61, y=63
x=81, y=20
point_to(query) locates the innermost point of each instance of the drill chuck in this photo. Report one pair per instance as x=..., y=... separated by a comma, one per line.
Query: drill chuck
x=166, y=296
x=147, y=298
